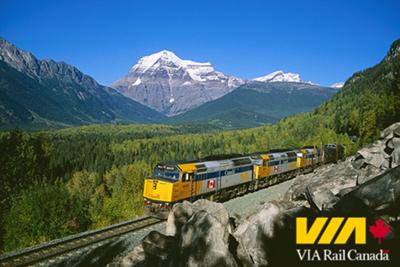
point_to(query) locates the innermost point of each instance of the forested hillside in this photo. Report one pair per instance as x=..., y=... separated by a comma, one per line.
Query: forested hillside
x=369, y=101
x=258, y=103
x=61, y=182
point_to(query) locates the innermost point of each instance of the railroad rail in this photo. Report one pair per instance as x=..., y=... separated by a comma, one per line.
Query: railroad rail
x=33, y=255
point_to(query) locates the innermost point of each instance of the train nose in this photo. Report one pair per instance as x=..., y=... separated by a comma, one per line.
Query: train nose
x=158, y=190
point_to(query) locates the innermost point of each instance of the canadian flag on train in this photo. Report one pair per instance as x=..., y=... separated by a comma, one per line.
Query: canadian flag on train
x=276, y=168
x=210, y=184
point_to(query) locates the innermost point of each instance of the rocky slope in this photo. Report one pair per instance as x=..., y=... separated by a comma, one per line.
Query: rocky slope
x=171, y=85
x=45, y=93
x=205, y=234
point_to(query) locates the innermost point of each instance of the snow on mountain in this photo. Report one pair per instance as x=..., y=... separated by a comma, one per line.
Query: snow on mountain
x=172, y=85
x=196, y=70
x=280, y=76
x=337, y=85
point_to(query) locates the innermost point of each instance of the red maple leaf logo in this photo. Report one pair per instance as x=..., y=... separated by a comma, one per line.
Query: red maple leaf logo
x=379, y=230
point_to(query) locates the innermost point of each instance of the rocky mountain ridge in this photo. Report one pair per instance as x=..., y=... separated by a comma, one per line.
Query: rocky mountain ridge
x=44, y=93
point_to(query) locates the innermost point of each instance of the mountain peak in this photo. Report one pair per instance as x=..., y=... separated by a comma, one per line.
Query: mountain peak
x=166, y=58
x=165, y=55
x=280, y=76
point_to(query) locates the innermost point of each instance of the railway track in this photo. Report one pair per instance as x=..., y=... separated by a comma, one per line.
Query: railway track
x=33, y=255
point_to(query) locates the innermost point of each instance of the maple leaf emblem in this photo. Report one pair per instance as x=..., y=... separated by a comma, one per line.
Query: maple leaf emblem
x=379, y=230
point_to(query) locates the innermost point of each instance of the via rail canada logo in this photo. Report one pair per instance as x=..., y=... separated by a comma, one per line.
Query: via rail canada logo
x=337, y=231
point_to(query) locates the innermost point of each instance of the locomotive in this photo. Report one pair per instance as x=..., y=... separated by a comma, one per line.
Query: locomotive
x=219, y=178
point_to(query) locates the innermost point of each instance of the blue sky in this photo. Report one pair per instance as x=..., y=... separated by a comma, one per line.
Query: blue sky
x=324, y=41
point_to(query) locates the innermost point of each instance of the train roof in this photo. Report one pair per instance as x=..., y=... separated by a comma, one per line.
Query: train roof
x=222, y=157
x=210, y=162
x=274, y=151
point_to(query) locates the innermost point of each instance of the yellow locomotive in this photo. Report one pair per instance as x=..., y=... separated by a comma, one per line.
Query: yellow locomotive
x=223, y=177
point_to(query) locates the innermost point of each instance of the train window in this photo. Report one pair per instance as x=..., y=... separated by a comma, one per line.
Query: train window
x=230, y=172
x=241, y=161
x=273, y=163
x=164, y=173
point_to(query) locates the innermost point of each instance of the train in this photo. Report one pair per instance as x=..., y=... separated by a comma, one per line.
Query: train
x=223, y=177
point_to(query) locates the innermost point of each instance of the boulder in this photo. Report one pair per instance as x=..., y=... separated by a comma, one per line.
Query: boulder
x=373, y=154
x=382, y=192
x=395, y=155
x=396, y=130
x=136, y=258
x=205, y=241
x=178, y=216
x=321, y=200
x=265, y=237
x=391, y=131
x=181, y=212
x=155, y=250
x=382, y=154
x=217, y=210
x=332, y=177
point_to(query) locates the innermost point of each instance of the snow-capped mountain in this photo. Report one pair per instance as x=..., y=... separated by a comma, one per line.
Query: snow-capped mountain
x=280, y=76
x=337, y=85
x=172, y=85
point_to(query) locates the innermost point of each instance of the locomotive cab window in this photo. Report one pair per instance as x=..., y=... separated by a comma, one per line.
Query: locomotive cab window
x=167, y=173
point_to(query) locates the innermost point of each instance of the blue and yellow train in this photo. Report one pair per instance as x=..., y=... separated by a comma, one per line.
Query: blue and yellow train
x=223, y=177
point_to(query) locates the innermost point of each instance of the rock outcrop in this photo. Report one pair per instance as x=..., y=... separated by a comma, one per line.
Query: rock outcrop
x=199, y=234
x=202, y=233
x=326, y=182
